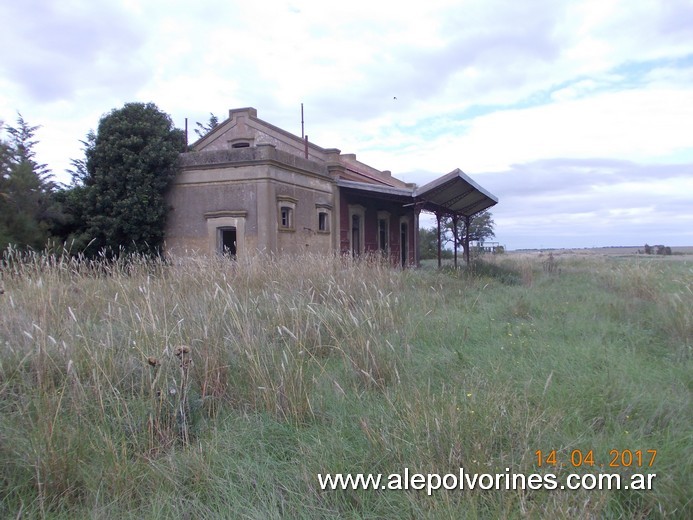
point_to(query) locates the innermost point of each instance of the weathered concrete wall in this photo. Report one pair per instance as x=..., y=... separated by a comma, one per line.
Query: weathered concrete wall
x=244, y=125
x=242, y=173
x=251, y=182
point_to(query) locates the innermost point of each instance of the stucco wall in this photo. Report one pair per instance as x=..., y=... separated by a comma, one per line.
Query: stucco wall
x=252, y=183
x=221, y=183
x=243, y=124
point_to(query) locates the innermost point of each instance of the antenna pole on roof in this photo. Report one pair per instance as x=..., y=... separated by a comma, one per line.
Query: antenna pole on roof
x=303, y=134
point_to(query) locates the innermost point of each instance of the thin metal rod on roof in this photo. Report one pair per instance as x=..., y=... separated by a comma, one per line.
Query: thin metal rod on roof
x=303, y=135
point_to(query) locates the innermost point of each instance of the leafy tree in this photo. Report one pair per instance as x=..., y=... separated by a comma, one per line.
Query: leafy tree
x=428, y=244
x=480, y=228
x=203, y=130
x=27, y=208
x=117, y=201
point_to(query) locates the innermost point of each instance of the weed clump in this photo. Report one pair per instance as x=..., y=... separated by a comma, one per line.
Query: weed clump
x=504, y=272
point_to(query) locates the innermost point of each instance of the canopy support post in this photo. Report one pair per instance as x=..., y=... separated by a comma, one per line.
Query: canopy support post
x=467, y=219
x=417, y=253
x=438, y=215
x=454, y=238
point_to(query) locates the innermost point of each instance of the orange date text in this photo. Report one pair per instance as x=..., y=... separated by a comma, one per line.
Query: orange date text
x=578, y=458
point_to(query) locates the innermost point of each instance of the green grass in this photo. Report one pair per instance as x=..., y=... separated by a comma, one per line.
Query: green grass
x=322, y=365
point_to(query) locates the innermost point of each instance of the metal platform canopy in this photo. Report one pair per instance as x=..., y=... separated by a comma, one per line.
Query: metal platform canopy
x=456, y=195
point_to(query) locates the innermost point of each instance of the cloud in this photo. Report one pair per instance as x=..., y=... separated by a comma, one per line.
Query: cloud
x=633, y=124
x=608, y=202
x=69, y=46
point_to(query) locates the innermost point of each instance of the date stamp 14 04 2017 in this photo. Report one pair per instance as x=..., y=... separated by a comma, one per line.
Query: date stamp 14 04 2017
x=586, y=459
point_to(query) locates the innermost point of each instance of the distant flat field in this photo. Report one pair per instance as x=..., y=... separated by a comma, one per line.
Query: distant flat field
x=681, y=252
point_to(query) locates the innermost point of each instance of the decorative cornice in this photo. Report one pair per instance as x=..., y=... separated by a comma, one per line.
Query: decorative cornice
x=226, y=213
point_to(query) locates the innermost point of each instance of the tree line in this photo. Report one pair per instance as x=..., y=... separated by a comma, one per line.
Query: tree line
x=115, y=203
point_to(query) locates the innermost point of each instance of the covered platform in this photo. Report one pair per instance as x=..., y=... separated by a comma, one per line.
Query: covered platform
x=455, y=195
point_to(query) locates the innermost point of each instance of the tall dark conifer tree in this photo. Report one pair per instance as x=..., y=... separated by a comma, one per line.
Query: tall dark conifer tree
x=27, y=208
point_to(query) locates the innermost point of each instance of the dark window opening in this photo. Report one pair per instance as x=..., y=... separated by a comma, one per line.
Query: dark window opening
x=355, y=235
x=240, y=145
x=382, y=234
x=227, y=241
x=322, y=221
x=404, y=243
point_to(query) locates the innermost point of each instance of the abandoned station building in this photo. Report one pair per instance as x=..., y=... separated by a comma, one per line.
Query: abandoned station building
x=249, y=186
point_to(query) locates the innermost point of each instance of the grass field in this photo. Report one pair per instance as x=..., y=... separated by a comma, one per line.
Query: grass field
x=217, y=390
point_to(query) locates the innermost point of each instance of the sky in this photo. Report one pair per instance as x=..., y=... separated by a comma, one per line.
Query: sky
x=577, y=115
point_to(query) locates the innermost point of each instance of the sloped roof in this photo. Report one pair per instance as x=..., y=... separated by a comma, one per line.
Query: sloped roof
x=454, y=193
x=376, y=189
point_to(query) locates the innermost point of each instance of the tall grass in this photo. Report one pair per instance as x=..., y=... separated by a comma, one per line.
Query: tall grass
x=209, y=388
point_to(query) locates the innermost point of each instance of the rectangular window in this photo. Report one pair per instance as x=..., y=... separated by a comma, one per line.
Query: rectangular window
x=286, y=217
x=404, y=242
x=286, y=211
x=383, y=233
x=356, y=231
x=383, y=230
x=355, y=235
x=324, y=212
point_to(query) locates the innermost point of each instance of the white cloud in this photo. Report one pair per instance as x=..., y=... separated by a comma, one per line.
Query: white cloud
x=629, y=125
